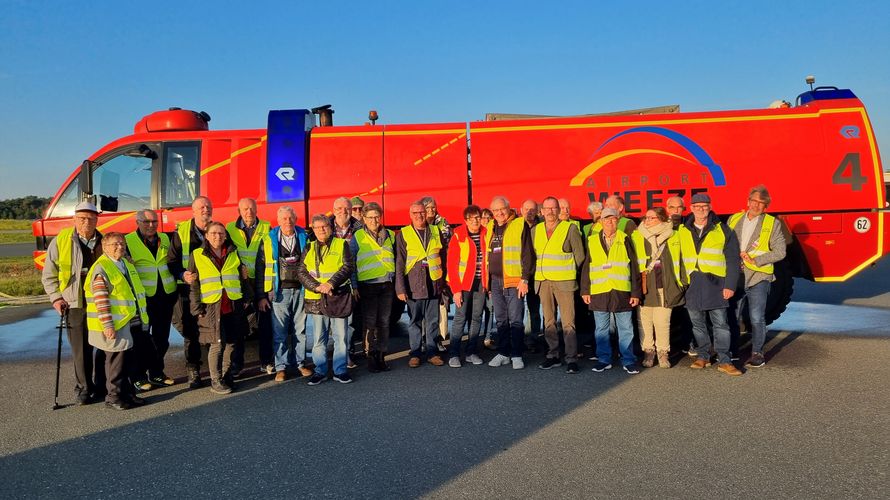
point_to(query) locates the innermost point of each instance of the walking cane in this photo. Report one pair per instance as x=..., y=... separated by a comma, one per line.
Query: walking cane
x=63, y=325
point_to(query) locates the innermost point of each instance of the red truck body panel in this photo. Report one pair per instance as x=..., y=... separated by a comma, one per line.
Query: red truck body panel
x=819, y=161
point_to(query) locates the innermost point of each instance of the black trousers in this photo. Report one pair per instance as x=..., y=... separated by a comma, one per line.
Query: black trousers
x=89, y=374
x=188, y=328
x=260, y=323
x=160, y=317
x=376, y=300
x=115, y=370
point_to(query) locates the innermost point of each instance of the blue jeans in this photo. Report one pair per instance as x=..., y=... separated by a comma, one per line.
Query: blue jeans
x=624, y=325
x=472, y=305
x=324, y=326
x=721, y=334
x=509, y=311
x=288, y=323
x=755, y=298
x=423, y=316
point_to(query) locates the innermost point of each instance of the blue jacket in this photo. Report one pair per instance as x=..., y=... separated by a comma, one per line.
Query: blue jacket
x=273, y=238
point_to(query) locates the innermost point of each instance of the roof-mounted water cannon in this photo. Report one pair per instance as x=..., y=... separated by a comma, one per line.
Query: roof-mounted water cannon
x=325, y=115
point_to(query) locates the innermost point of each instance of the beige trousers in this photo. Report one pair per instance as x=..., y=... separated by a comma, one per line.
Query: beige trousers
x=655, y=326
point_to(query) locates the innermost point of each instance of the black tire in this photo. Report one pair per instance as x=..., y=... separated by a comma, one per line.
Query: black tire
x=780, y=292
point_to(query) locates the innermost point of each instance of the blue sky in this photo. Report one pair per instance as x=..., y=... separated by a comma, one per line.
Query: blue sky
x=76, y=75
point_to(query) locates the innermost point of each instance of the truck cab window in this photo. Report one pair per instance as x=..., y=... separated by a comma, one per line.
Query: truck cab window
x=69, y=199
x=181, y=173
x=123, y=184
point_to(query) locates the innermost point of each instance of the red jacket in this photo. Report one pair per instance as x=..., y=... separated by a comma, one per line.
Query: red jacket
x=459, y=239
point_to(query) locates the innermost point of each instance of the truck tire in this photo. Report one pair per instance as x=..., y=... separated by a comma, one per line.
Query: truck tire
x=780, y=291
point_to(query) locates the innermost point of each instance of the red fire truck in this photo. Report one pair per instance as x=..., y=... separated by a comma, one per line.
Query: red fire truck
x=818, y=158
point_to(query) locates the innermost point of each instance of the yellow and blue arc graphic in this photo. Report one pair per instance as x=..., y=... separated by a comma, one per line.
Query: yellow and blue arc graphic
x=697, y=152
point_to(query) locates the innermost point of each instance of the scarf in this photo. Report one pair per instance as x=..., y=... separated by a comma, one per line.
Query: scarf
x=657, y=236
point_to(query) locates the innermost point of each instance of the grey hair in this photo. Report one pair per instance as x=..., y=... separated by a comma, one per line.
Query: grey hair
x=763, y=192
x=427, y=200
x=140, y=214
x=372, y=206
x=594, y=205
x=320, y=218
x=501, y=198
x=288, y=209
x=343, y=198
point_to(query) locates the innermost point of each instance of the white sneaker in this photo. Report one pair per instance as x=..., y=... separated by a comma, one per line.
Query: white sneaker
x=499, y=360
x=454, y=362
x=474, y=359
x=518, y=364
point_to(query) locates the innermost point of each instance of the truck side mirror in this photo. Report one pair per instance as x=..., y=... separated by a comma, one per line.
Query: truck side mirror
x=86, y=179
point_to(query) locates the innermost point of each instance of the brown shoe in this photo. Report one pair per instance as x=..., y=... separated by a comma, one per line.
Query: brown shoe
x=729, y=369
x=699, y=363
x=305, y=372
x=436, y=361
x=648, y=359
x=281, y=376
x=664, y=361
x=414, y=362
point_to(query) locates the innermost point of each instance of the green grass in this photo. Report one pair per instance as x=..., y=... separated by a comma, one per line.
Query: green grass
x=15, y=224
x=19, y=277
x=15, y=231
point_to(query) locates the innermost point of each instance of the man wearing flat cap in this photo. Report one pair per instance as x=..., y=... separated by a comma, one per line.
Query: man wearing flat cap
x=710, y=251
x=68, y=258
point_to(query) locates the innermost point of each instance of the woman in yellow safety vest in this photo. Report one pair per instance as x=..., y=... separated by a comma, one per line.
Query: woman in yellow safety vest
x=116, y=311
x=218, y=297
x=658, y=255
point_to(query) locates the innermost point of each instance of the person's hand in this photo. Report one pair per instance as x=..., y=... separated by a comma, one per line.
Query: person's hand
x=109, y=333
x=747, y=258
x=727, y=293
x=355, y=293
x=60, y=306
x=403, y=297
x=189, y=277
x=263, y=305
x=586, y=299
x=244, y=274
x=458, y=299
x=634, y=302
x=522, y=289
x=325, y=288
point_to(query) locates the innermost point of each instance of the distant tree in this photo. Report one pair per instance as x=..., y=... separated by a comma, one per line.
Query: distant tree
x=28, y=207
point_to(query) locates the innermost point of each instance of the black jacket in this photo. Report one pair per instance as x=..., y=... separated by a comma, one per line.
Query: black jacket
x=212, y=326
x=705, y=290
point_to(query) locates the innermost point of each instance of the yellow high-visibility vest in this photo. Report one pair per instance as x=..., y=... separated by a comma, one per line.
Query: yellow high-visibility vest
x=762, y=245
x=184, y=229
x=122, y=298
x=63, y=244
x=511, y=250
x=248, y=252
x=416, y=251
x=710, y=258
x=374, y=260
x=553, y=263
x=673, y=244
x=331, y=262
x=213, y=281
x=151, y=266
x=608, y=271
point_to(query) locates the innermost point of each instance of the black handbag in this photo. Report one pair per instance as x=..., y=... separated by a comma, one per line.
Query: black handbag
x=339, y=304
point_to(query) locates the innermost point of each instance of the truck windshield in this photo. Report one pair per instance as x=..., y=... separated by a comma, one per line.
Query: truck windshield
x=64, y=207
x=123, y=184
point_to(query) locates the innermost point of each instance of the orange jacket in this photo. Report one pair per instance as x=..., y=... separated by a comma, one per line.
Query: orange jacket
x=458, y=239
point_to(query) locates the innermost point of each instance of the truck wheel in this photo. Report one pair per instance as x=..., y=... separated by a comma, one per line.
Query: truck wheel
x=780, y=291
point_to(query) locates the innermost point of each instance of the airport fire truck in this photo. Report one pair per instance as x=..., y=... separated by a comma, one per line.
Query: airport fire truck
x=818, y=158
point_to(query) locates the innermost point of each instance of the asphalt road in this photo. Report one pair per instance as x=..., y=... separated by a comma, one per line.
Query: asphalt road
x=16, y=249
x=811, y=424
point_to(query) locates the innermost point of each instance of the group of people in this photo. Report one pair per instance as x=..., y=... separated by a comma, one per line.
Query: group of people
x=216, y=282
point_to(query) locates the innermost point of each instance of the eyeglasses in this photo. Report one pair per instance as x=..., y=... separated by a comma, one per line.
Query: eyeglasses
x=371, y=217
x=357, y=208
x=652, y=217
x=148, y=221
x=474, y=217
